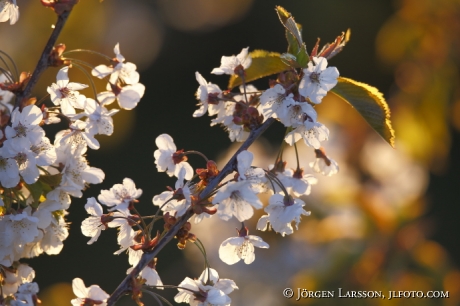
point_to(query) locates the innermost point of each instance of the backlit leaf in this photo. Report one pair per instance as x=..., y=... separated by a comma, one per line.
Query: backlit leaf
x=263, y=64
x=370, y=103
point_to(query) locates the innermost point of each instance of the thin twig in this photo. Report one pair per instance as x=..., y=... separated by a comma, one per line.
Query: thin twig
x=43, y=62
x=125, y=286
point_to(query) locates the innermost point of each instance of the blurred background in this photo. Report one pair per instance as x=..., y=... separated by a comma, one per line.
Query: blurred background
x=387, y=221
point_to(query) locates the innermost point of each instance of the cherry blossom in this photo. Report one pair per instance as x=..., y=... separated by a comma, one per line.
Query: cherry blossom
x=274, y=102
x=120, y=196
x=76, y=135
x=65, y=94
x=76, y=172
x=299, y=114
x=165, y=159
x=92, y=226
x=17, y=230
x=26, y=295
x=311, y=136
x=236, y=199
x=24, y=130
x=5, y=95
x=208, y=95
x=229, y=63
x=323, y=164
x=127, y=96
x=126, y=72
x=207, y=290
x=317, y=80
x=282, y=211
x=301, y=183
x=234, y=249
x=14, y=279
x=93, y=294
x=151, y=277
x=99, y=118
x=9, y=170
x=9, y=10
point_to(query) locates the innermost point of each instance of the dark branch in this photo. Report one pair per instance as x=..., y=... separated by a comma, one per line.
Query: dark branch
x=125, y=286
x=43, y=61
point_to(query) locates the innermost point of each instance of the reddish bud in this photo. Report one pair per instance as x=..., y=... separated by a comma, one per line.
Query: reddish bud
x=179, y=156
x=59, y=6
x=243, y=232
x=298, y=173
x=56, y=59
x=239, y=71
x=19, y=86
x=321, y=153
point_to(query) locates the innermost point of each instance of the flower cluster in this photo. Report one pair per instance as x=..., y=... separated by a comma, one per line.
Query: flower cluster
x=38, y=177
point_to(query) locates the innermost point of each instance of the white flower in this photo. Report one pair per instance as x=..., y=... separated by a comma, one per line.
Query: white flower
x=229, y=63
x=256, y=176
x=177, y=206
x=299, y=114
x=5, y=95
x=120, y=196
x=65, y=94
x=16, y=231
x=53, y=236
x=26, y=160
x=9, y=10
x=165, y=160
x=45, y=152
x=205, y=291
x=99, y=118
x=204, y=93
x=323, y=164
x=93, y=293
x=126, y=72
x=311, y=136
x=76, y=172
x=9, y=170
x=281, y=212
x=234, y=249
x=318, y=80
x=92, y=226
x=24, y=130
x=26, y=295
x=274, y=102
x=151, y=277
x=236, y=199
x=302, y=185
x=127, y=96
x=224, y=117
x=13, y=279
x=77, y=133
x=125, y=235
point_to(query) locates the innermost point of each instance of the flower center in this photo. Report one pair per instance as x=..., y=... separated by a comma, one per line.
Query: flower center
x=314, y=77
x=21, y=130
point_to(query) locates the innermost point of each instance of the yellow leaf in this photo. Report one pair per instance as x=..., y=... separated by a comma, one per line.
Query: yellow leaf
x=370, y=103
x=263, y=64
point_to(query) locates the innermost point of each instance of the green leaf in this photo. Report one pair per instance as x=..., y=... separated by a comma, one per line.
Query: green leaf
x=293, y=30
x=370, y=103
x=36, y=190
x=302, y=57
x=289, y=60
x=263, y=64
x=296, y=46
x=51, y=180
